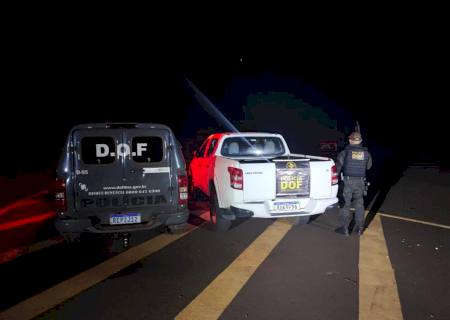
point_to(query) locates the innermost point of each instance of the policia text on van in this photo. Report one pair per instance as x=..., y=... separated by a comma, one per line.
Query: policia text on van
x=119, y=178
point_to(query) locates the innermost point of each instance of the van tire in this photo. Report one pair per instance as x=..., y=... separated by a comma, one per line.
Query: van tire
x=217, y=222
x=177, y=228
x=300, y=220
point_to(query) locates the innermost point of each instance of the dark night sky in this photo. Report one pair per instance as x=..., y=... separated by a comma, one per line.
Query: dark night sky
x=390, y=85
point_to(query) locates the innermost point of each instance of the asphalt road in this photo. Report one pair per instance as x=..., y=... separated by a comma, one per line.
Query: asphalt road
x=261, y=269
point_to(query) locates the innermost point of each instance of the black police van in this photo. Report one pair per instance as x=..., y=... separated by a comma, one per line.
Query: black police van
x=115, y=178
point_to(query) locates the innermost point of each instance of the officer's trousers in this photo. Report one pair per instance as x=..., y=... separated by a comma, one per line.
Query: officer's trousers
x=353, y=190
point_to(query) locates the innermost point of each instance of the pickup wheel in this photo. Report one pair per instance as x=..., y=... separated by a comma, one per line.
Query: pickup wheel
x=300, y=220
x=217, y=222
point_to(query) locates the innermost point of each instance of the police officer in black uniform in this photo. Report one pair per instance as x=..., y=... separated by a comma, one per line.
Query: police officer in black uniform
x=353, y=162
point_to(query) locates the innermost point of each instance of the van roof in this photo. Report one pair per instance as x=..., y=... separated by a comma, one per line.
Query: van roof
x=125, y=125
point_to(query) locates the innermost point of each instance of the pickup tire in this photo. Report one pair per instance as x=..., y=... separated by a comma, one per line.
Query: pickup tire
x=217, y=222
x=300, y=220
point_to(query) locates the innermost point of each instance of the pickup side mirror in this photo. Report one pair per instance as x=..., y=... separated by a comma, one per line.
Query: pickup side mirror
x=195, y=153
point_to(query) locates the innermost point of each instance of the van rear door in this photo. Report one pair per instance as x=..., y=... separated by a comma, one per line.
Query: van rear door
x=147, y=169
x=97, y=166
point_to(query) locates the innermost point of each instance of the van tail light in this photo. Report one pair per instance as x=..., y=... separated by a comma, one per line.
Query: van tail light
x=182, y=190
x=334, y=176
x=236, y=178
x=60, y=195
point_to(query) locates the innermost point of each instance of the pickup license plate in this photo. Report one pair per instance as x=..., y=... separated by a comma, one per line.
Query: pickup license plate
x=287, y=206
x=126, y=218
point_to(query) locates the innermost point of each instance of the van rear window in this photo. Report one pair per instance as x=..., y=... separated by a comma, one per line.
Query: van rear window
x=98, y=150
x=147, y=149
x=102, y=150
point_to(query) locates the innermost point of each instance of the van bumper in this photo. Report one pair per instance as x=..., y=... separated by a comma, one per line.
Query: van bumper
x=77, y=226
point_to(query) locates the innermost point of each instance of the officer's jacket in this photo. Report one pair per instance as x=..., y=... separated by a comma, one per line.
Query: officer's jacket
x=354, y=160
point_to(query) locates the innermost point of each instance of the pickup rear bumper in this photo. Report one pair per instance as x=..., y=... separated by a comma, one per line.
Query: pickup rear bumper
x=263, y=209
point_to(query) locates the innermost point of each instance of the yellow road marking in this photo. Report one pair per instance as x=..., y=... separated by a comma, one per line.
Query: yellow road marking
x=213, y=300
x=378, y=294
x=414, y=220
x=63, y=291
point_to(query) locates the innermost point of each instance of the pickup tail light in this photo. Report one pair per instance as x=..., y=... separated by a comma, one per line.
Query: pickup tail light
x=60, y=195
x=182, y=190
x=236, y=178
x=334, y=176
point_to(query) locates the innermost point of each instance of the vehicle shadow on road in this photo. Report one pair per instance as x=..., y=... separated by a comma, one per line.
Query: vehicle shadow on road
x=199, y=216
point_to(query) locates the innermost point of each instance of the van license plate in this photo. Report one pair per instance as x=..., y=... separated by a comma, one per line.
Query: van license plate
x=126, y=218
x=290, y=206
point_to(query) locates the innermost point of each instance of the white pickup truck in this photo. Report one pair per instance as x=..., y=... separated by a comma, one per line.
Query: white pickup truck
x=256, y=175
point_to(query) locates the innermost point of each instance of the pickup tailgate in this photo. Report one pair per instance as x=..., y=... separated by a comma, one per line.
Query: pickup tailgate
x=321, y=179
x=259, y=181
x=295, y=178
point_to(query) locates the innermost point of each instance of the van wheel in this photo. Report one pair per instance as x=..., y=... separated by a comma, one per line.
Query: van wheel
x=300, y=220
x=217, y=222
x=177, y=228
